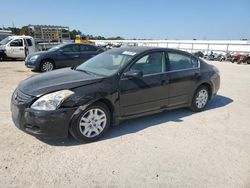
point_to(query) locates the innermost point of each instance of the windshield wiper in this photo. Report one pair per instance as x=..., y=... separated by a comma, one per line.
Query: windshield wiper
x=85, y=71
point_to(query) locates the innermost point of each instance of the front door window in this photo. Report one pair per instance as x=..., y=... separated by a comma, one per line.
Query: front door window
x=152, y=63
x=17, y=43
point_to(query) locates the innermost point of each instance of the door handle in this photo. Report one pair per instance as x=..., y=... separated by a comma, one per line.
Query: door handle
x=164, y=82
x=76, y=55
x=196, y=75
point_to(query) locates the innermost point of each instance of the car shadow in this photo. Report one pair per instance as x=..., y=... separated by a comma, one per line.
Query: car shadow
x=11, y=60
x=138, y=124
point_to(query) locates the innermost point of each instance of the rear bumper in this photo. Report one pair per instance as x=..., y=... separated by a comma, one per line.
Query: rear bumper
x=42, y=124
x=216, y=84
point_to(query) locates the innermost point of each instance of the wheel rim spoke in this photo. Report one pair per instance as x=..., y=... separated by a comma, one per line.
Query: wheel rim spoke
x=91, y=114
x=99, y=127
x=96, y=130
x=85, y=120
x=100, y=121
x=89, y=133
x=86, y=130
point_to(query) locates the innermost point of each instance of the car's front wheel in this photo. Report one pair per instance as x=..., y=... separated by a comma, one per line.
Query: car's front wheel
x=92, y=124
x=47, y=65
x=200, y=99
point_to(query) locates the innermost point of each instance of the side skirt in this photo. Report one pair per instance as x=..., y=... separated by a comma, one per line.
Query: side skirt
x=120, y=119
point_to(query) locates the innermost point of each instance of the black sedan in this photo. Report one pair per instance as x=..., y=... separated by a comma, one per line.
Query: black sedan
x=113, y=86
x=64, y=55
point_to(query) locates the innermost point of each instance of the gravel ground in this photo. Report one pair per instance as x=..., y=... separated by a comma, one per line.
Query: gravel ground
x=173, y=149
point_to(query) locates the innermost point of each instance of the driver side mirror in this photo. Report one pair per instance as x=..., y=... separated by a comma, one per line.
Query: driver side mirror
x=133, y=74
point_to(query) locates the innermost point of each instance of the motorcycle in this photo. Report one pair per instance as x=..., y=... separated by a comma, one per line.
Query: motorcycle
x=199, y=54
x=244, y=59
x=236, y=58
x=216, y=57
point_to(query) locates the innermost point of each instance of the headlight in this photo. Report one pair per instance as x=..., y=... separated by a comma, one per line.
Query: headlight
x=33, y=58
x=51, y=101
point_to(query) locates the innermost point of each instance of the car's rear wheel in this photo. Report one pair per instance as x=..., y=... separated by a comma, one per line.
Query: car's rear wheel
x=47, y=65
x=92, y=124
x=200, y=99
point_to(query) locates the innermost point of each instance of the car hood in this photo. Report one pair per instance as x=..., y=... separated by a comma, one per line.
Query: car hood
x=56, y=80
x=2, y=47
x=40, y=52
x=36, y=53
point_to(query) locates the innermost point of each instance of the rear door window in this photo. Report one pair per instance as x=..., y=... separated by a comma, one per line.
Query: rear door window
x=71, y=48
x=87, y=48
x=179, y=61
x=29, y=42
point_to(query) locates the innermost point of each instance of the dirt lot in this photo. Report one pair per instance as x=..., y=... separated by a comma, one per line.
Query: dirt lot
x=174, y=149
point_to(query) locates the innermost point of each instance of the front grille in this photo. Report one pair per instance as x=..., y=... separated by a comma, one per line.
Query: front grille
x=20, y=97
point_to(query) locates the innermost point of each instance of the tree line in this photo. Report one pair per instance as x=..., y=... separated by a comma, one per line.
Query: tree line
x=25, y=31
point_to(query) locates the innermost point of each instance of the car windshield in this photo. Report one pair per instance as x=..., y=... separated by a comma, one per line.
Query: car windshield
x=56, y=47
x=5, y=41
x=105, y=64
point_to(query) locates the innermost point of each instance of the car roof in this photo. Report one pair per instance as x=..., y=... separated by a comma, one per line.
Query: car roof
x=136, y=49
x=140, y=49
x=19, y=36
x=69, y=43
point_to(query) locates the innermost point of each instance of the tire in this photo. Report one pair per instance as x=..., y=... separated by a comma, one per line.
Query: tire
x=47, y=65
x=200, y=99
x=85, y=129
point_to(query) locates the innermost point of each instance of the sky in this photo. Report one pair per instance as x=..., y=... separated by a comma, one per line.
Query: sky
x=151, y=19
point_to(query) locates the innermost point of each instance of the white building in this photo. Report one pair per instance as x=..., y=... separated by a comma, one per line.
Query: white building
x=4, y=34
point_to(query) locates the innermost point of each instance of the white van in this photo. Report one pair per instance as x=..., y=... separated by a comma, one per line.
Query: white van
x=17, y=47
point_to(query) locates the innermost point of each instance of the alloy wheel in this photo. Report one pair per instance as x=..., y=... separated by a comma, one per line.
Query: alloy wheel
x=93, y=122
x=202, y=98
x=47, y=66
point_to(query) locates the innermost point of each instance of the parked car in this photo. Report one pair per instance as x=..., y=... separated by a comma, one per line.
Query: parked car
x=63, y=55
x=119, y=84
x=16, y=47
